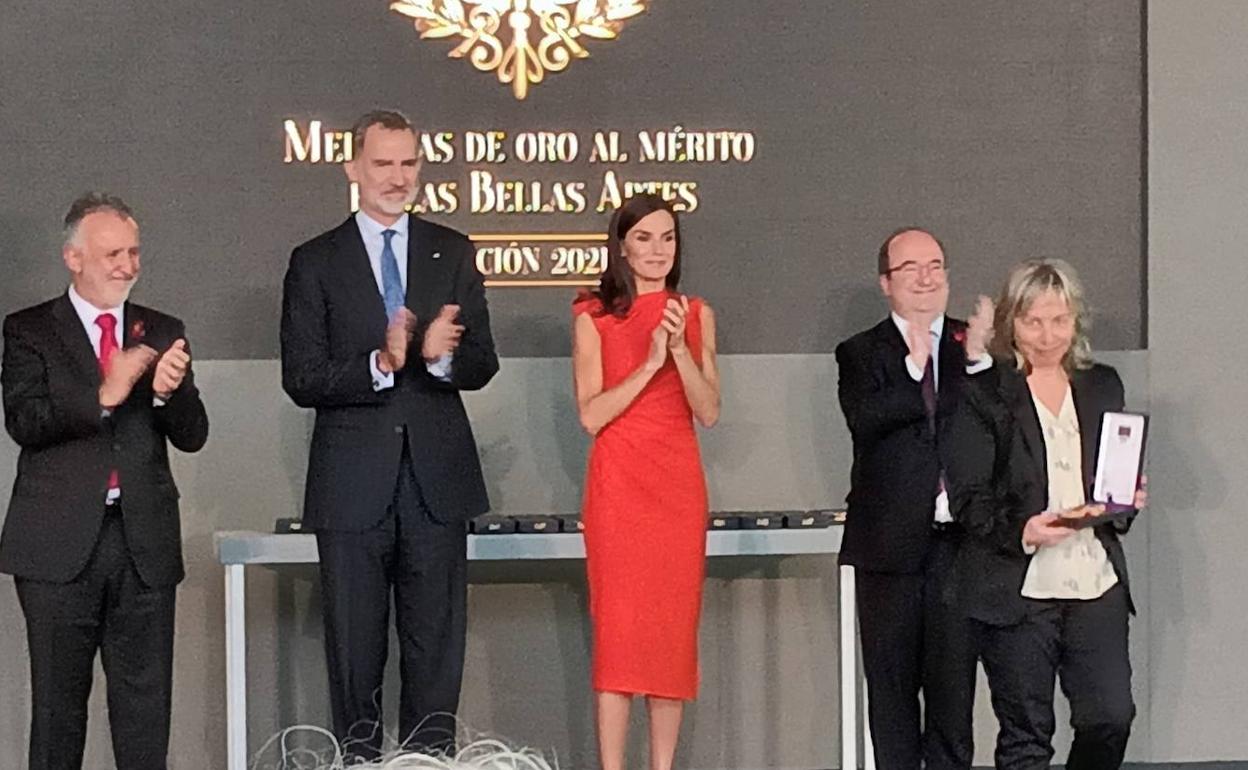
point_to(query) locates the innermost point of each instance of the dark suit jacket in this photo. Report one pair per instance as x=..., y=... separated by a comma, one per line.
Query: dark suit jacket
x=897, y=457
x=998, y=478
x=333, y=317
x=51, y=383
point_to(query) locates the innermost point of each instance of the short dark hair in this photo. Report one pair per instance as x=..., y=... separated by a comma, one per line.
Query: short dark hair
x=388, y=119
x=883, y=255
x=89, y=203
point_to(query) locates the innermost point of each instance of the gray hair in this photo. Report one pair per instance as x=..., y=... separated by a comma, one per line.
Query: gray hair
x=392, y=120
x=1027, y=281
x=90, y=203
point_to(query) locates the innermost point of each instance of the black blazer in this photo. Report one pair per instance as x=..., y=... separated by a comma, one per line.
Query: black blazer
x=998, y=478
x=333, y=317
x=897, y=457
x=50, y=378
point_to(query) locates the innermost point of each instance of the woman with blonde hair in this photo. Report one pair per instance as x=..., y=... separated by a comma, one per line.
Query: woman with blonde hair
x=1046, y=583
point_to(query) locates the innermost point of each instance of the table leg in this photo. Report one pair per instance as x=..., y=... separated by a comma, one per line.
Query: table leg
x=868, y=747
x=236, y=667
x=849, y=669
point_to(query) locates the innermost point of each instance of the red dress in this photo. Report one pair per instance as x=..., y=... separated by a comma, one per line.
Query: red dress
x=645, y=515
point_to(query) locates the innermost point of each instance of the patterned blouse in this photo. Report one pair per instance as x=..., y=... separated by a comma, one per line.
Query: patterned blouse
x=1077, y=567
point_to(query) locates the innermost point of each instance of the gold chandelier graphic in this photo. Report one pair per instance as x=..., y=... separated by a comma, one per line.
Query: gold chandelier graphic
x=520, y=40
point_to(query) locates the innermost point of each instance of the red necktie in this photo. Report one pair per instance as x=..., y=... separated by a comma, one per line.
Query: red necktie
x=108, y=346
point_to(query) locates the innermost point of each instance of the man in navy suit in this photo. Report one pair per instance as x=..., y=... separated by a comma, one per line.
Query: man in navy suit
x=384, y=322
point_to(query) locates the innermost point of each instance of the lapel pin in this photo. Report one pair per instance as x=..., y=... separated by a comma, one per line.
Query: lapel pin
x=437, y=255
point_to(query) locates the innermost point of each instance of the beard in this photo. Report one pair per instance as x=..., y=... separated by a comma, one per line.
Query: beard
x=394, y=206
x=121, y=293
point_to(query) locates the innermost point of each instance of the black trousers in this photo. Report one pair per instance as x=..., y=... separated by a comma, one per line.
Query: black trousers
x=916, y=639
x=1083, y=642
x=423, y=562
x=107, y=608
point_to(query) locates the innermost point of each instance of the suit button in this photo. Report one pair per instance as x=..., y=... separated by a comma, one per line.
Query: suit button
x=116, y=447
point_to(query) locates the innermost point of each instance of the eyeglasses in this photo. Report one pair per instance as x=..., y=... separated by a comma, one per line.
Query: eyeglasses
x=911, y=269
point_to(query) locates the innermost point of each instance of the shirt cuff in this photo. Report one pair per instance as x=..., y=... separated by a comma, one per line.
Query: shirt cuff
x=981, y=364
x=916, y=373
x=158, y=401
x=440, y=368
x=381, y=380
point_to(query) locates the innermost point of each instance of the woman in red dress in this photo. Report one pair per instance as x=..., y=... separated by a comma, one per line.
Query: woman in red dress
x=644, y=363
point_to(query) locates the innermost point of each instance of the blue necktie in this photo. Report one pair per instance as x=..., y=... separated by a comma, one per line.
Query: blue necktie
x=391, y=281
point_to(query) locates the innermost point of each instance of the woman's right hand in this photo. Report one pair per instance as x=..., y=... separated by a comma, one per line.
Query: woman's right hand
x=658, y=350
x=1046, y=529
x=1083, y=511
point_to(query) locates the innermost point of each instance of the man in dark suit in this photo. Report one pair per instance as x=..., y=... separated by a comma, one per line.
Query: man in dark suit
x=384, y=322
x=899, y=381
x=95, y=388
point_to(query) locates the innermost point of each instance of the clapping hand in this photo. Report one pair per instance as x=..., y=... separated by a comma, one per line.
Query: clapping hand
x=443, y=335
x=659, y=339
x=171, y=369
x=979, y=329
x=124, y=370
x=393, y=356
x=675, y=317
x=919, y=340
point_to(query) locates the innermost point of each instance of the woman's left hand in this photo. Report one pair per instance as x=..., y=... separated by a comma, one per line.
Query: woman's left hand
x=675, y=315
x=1141, y=493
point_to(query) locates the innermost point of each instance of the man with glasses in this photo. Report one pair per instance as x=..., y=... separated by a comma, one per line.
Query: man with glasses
x=898, y=383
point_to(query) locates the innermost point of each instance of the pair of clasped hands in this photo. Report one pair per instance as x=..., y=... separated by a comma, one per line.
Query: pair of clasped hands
x=669, y=335
x=441, y=338
x=126, y=367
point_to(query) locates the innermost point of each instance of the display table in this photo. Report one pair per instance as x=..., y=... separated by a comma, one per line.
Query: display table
x=238, y=550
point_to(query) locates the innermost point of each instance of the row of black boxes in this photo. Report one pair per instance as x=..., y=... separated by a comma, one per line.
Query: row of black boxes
x=496, y=524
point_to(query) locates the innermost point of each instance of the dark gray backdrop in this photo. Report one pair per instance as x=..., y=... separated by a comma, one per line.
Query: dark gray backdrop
x=1012, y=129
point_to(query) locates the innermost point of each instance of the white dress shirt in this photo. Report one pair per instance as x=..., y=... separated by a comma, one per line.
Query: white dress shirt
x=972, y=367
x=87, y=313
